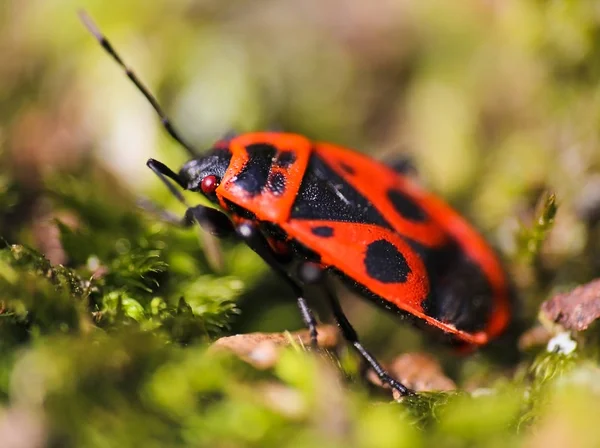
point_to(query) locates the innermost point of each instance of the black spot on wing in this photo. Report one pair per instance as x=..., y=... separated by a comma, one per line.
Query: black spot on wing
x=385, y=263
x=254, y=175
x=406, y=206
x=323, y=231
x=459, y=295
x=324, y=195
x=276, y=184
x=285, y=158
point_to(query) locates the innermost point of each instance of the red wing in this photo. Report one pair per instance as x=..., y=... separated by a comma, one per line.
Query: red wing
x=416, y=214
x=375, y=257
x=378, y=259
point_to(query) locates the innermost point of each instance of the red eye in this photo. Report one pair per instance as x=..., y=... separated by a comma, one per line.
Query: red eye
x=209, y=184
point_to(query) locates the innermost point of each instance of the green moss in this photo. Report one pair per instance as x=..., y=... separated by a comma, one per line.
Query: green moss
x=487, y=416
x=530, y=239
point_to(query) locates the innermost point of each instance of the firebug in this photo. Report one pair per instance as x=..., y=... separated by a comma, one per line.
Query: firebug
x=310, y=208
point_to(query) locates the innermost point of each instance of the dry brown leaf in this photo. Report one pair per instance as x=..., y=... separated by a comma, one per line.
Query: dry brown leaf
x=574, y=310
x=262, y=349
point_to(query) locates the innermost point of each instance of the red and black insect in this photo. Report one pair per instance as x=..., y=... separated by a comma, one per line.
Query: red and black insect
x=322, y=208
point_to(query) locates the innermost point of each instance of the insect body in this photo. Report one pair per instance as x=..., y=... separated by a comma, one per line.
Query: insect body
x=400, y=245
x=331, y=209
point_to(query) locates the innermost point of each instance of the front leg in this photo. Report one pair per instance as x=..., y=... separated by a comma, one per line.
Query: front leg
x=211, y=220
x=251, y=235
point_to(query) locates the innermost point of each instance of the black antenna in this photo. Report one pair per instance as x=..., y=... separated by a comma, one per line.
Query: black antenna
x=92, y=28
x=164, y=172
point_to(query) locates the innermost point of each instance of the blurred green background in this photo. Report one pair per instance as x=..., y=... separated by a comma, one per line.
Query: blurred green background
x=495, y=102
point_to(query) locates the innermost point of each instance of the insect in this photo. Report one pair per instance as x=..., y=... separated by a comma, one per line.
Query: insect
x=309, y=209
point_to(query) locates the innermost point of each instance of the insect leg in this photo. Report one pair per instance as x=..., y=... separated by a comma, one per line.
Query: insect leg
x=351, y=336
x=251, y=235
x=348, y=331
x=210, y=219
